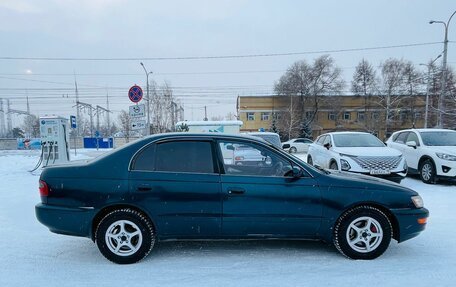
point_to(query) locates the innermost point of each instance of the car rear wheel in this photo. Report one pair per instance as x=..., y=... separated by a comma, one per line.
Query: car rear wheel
x=293, y=150
x=363, y=232
x=427, y=171
x=125, y=236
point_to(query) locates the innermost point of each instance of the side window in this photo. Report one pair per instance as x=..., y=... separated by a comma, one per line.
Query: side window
x=184, y=156
x=249, y=159
x=327, y=140
x=402, y=137
x=413, y=137
x=145, y=159
x=320, y=140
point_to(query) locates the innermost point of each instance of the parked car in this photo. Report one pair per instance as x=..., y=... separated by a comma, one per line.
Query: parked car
x=300, y=145
x=357, y=152
x=270, y=137
x=178, y=186
x=431, y=153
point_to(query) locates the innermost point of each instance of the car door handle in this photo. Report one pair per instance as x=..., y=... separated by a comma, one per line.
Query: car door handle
x=144, y=188
x=236, y=191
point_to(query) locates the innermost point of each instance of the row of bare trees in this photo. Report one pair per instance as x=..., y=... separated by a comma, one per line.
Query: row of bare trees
x=389, y=87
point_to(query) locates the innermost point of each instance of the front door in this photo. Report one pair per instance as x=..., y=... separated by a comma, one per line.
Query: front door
x=179, y=185
x=260, y=198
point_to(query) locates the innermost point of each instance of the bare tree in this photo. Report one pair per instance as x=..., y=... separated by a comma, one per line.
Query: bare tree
x=364, y=81
x=164, y=107
x=125, y=124
x=31, y=126
x=307, y=84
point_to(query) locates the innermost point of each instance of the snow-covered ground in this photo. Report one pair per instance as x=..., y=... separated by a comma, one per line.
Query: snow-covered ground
x=33, y=256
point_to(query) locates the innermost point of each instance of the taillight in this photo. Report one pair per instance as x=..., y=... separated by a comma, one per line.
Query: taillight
x=44, y=189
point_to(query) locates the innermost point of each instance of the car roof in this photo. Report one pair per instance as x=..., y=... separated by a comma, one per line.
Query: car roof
x=205, y=135
x=425, y=130
x=344, y=133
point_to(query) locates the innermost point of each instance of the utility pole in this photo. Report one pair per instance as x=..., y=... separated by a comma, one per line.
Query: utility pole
x=429, y=66
x=205, y=113
x=2, y=120
x=444, y=68
x=78, y=119
x=107, y=115
x=9, y=122
x=147, y=99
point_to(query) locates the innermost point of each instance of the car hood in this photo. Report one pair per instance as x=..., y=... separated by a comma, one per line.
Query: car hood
x=444, y=149
x=367, y=151
x=344, y=179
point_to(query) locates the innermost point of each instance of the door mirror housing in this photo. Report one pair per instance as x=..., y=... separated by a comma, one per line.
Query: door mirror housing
x=327, y=145
x=296, y=172
x=286, y=146
x=411, y=144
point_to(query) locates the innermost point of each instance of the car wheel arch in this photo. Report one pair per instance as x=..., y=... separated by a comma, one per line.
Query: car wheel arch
x=392, y=218
x=423, y=158
x=110, y=208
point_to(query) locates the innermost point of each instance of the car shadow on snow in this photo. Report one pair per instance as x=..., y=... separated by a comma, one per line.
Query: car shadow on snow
x=444, y=182
x=280, y=248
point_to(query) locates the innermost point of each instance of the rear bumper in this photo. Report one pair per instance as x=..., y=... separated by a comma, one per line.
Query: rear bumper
x=408, y=222
x=66, y=220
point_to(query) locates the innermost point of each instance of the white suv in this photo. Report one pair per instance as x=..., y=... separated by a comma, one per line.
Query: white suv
x=431, y=153
x=357, y=152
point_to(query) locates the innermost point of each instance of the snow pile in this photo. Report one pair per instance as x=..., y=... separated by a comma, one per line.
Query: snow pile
x=33, y=256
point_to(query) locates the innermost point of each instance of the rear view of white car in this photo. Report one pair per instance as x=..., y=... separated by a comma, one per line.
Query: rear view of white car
x=431, y=153
x=357, y=152
x=299, y=145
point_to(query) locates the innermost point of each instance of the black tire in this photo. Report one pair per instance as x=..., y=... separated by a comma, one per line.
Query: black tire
x=131, y=220
x=309, y=160
x=293, y=150
x=333, y=165
x=427, y=171
x=343, y=231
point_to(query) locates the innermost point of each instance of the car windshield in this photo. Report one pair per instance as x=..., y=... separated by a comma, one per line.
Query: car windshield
x=356, y=140
x=442, y=138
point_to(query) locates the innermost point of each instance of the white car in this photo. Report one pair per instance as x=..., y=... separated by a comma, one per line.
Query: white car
x=431, y=153
x=299, y=145
x=357, y=152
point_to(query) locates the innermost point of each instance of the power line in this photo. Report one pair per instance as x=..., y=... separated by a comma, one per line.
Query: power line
x=220, y=56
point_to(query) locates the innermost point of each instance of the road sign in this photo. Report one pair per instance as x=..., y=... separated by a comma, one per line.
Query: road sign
x=137, y=111
x=135, y=94
x=73, y=122
x=138, y=124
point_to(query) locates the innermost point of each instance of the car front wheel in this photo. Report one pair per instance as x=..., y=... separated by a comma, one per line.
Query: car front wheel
x=427, y=171
x=125, y=236
x=293, y=150
x=363, y=232
x=309, y=160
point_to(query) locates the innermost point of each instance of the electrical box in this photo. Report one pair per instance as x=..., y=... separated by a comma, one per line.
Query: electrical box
x=54, y=140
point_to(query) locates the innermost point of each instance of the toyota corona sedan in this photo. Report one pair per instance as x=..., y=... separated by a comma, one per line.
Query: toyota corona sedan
x=181, y=186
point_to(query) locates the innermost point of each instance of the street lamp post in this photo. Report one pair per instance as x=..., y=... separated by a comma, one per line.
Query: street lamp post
x=147, y=99
x=444, y=64
x=427, y=89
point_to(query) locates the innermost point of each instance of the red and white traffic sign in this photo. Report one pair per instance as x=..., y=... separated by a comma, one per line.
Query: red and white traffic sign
x=135, y=94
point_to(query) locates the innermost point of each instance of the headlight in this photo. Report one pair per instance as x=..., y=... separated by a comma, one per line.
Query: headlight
x=446, y=156
x=417, y=201
x=344, y=165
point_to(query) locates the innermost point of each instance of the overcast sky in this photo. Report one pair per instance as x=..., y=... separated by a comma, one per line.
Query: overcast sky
x=151, y=29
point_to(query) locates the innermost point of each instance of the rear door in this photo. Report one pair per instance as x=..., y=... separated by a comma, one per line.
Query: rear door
x=177, y=181
x=261, y=200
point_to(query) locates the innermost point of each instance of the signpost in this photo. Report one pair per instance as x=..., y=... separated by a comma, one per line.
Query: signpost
x=138, y=124
x=73, y=124
x=137, y=111
x=135, y=94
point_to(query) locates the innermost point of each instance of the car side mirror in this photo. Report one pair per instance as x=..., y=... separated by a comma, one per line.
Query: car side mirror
x=230, y=147
x=296, y=172
x=411, y=144
x=327, y=145
x=286, y=146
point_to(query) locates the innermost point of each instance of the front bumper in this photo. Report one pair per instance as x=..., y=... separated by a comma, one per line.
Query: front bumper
x=445, y=168
x=408, y=222
x=66, y=220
